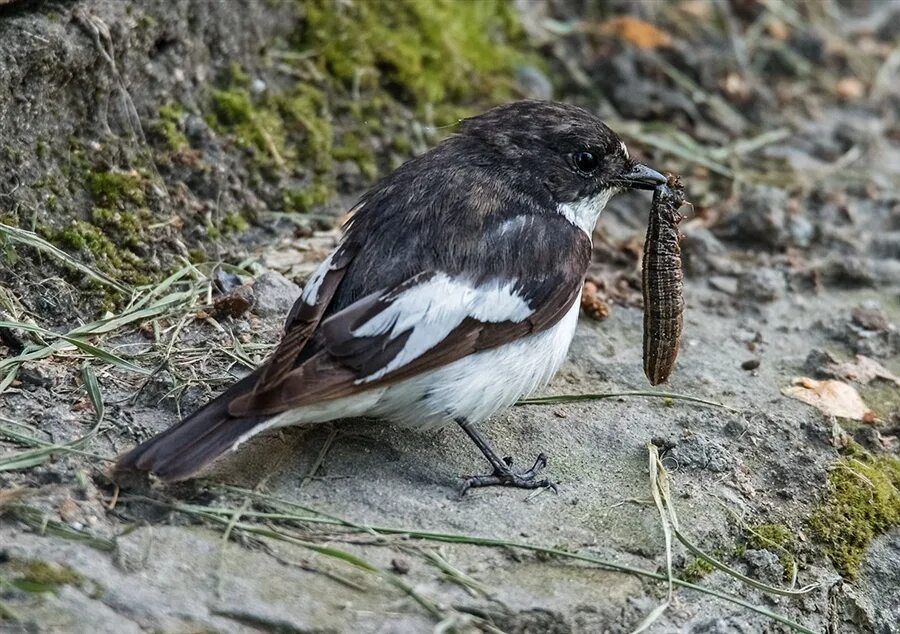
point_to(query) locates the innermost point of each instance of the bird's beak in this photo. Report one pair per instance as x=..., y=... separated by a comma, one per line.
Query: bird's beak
x=638, y=176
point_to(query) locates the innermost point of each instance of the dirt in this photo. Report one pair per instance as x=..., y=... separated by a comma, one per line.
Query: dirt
x=782, y=120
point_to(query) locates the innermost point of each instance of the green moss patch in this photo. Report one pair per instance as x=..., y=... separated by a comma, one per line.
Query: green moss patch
x=862, y=502
x=696, y=570
x=424, y=52
x=779, y=539
x=112, y=189
x=168, y=127
x=279, y=131
x=363, y=65
x=42, y=576
x=98, y=248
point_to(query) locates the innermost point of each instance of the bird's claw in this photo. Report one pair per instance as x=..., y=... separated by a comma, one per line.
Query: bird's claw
x=507, y=478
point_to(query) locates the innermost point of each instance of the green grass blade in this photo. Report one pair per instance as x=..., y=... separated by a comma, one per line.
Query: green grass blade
x=93, y=389
x=36, y=242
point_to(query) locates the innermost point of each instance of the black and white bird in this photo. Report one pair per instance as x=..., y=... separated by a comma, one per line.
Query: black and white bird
x=453, y=292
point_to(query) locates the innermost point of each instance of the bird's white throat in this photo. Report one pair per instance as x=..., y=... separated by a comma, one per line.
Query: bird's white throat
x=584, y=213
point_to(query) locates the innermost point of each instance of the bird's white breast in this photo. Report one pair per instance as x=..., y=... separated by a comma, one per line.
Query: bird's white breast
x=479, y=385
x=474, y=387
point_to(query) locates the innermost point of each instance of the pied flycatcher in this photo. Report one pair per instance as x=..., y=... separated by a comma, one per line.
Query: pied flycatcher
x=453, y=293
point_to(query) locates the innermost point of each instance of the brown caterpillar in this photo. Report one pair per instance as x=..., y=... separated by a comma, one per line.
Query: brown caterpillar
x=663, y=303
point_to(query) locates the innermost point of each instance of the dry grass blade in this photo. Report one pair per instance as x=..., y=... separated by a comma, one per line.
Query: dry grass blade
x=599, y=396
x=155, y=302
x=455, y=575
x=662, y=489
x=41, y=523
x=287, y=512
x=34, y=241
x=692, y=152
x=656, y=489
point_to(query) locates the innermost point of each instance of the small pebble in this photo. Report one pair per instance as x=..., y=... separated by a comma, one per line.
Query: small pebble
x=750, y=364
x=400, y=566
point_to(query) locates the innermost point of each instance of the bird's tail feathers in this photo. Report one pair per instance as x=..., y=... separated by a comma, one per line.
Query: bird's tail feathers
x=184, y=449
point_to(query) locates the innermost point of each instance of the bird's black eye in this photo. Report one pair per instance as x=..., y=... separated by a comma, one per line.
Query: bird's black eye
x=585, y=161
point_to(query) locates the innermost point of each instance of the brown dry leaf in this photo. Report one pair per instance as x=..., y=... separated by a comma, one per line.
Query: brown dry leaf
x=636, y=31
x=11, y=496
x=778, y=30
x=850, y=88
x=834, y=398
x=864, y=370
x=68, y=510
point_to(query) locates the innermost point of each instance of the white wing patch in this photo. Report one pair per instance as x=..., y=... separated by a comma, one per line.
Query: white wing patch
x=584, y=214
x=311, y=290
x=433, y=309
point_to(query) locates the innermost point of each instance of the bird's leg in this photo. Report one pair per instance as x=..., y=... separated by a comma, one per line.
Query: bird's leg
x=502, y=475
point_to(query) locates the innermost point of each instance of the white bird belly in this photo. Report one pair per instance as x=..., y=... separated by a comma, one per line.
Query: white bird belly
x=474, y=387
x=479, y=385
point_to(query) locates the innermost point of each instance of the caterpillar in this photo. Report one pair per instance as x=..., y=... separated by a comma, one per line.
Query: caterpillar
x=662, y=282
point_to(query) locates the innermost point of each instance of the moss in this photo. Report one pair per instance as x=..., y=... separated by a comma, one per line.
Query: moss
x=769, y=535
x=353, y=149
x=98, y=248
x=306, y=110
x=424, y=52
x=303, y=200
x=234, y=223
x=443, y=57
x=777, y=538
x=116, y=188
x=257, y=128
x=696, y=570
x=168, y=127
x=237, y=76
x=232, y=106
x=42, y=576
x=197, y=256
x=862, y=502
x=125, y=227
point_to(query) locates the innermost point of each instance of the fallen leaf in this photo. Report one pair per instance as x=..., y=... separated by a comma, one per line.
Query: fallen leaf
x=850, y=88
x=778, y=30
x=834, y=398
x=864, y=370
x=636, y=31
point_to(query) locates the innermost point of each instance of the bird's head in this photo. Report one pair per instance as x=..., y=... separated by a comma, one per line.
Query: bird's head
x=578, y=158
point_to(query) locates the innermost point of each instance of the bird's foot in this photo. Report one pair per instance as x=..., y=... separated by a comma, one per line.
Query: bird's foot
x=504, y=476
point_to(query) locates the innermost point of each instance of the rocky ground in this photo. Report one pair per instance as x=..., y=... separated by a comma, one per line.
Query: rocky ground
x=181, y=166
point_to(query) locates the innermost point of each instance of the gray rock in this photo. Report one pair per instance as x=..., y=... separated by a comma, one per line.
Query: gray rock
x=876, y=589
x=760, y=219
x=699, y=250
x=275, y=295
x=762, y=285
x=764, y=565
x=702, y=453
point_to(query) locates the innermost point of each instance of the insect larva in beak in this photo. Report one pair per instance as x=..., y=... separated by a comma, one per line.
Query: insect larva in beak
x=662, y=282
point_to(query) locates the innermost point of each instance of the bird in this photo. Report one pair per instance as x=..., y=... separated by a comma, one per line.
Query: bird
x=452, y=293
